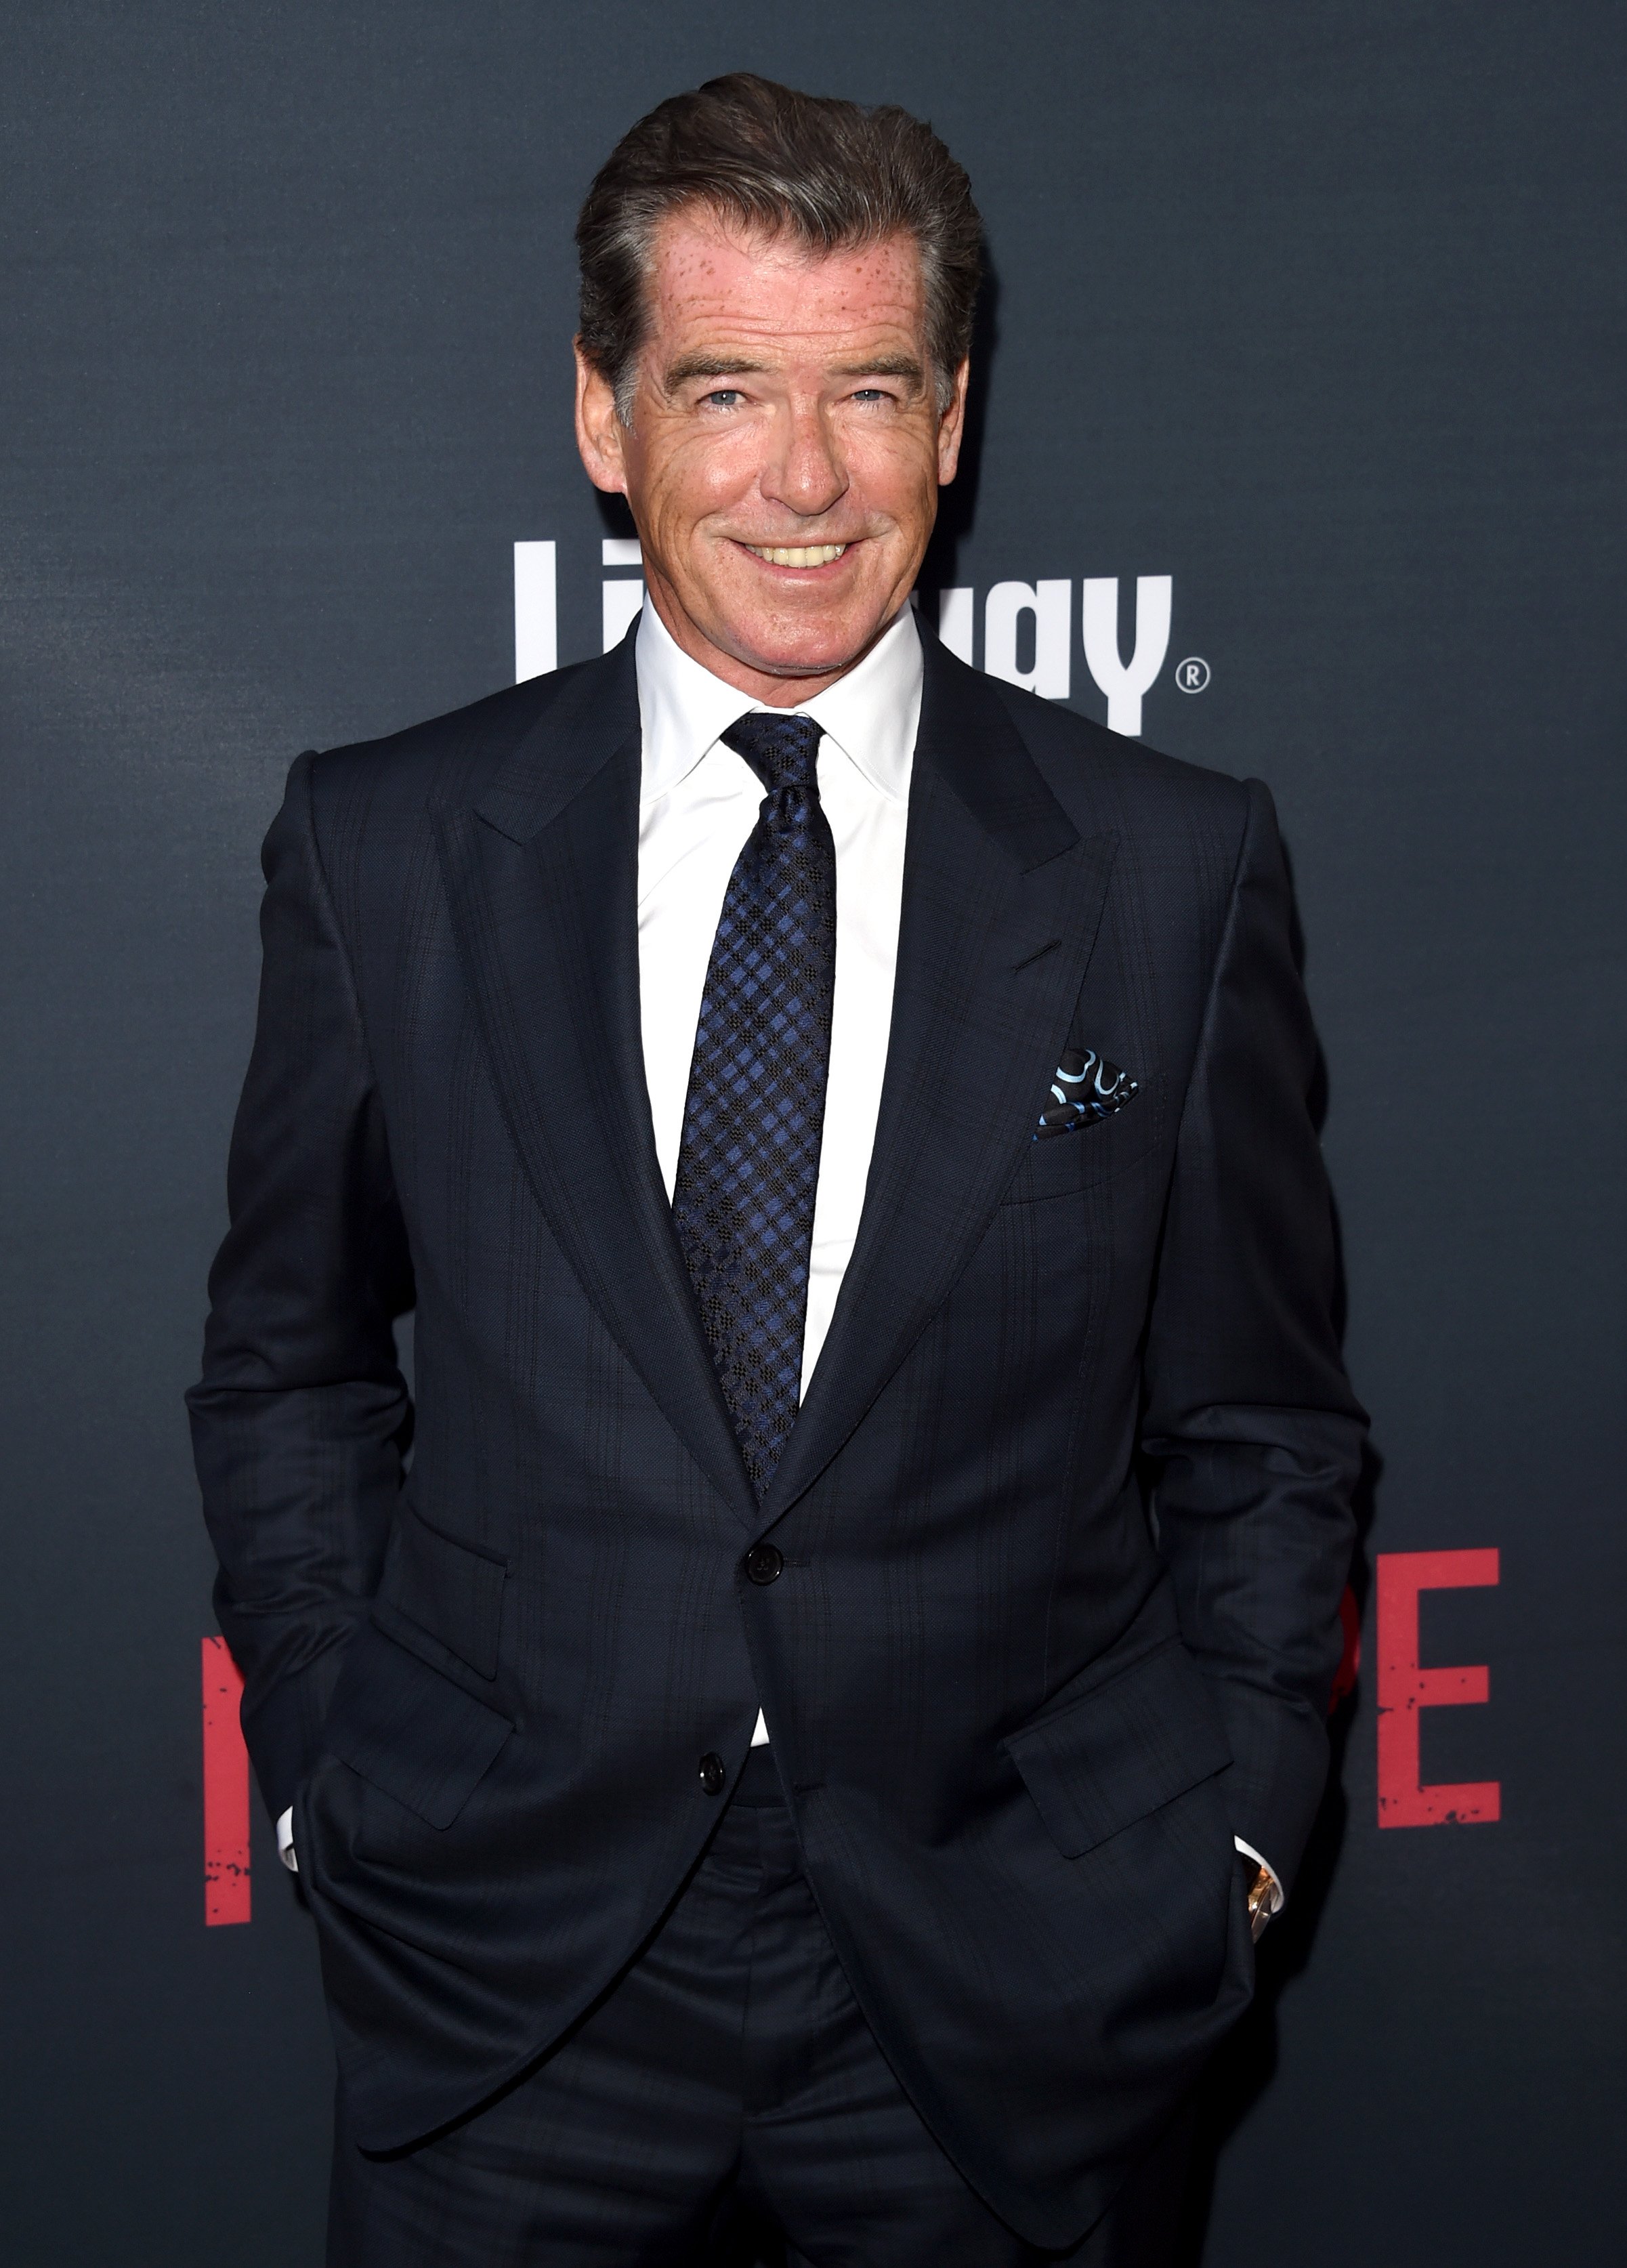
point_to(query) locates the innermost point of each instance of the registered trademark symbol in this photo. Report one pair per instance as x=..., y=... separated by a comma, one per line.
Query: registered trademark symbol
x=1192, y=674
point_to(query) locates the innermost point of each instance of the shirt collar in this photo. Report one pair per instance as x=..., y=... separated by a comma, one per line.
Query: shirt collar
x=871, y=714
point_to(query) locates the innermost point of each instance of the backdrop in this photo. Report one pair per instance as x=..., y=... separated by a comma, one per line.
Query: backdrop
x=1299, y=449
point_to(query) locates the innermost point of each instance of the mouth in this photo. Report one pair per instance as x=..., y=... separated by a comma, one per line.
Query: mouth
x=796, y=555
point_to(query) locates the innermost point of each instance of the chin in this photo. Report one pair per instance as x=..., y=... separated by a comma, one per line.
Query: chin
x=814, y=648
x=804, y=658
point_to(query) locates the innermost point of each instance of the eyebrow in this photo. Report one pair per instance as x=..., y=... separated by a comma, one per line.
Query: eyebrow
x=884, y=366
x=689, y=367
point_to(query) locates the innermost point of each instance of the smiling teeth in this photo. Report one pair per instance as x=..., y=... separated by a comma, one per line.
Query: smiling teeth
x=797, y=554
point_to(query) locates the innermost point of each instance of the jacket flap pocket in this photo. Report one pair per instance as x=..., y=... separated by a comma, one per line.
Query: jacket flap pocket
x=1122, y=1750
x=409, y=1730
x=447, y=1588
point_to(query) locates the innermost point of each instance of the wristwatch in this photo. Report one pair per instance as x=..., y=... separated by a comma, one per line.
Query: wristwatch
x=1264, y=1897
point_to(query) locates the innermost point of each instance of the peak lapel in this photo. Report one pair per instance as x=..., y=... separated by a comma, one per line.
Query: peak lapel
x=1001, y=904
x=541, y=877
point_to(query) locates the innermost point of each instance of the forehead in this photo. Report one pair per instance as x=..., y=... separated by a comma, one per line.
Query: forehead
x=712, y=283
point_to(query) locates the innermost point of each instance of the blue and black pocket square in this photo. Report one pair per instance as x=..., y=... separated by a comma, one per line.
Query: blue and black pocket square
x=1085, y=1089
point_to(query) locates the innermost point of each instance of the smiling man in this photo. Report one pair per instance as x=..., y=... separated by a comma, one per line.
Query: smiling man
x=782, y=437
x=813, y=1725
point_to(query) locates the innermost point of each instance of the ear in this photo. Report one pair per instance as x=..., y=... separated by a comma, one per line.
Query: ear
x=951, y=426
x=599, y=430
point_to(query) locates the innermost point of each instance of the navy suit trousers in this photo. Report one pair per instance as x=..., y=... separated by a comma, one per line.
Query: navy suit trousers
x=724, y=2103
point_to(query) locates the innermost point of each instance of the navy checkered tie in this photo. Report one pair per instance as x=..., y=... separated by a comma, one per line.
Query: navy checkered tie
x=748, y=1166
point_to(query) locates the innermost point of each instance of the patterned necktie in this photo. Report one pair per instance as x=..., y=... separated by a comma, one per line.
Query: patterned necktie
x=748, y=1164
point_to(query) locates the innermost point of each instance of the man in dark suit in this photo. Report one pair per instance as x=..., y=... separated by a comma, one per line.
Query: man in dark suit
x=819, y=1714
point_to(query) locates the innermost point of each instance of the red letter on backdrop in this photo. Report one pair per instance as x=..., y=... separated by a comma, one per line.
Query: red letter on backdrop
x=225, y=1790
x=1404, y=1688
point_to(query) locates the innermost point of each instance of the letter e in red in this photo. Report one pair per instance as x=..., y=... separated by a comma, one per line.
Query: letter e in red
x=1405, y=1689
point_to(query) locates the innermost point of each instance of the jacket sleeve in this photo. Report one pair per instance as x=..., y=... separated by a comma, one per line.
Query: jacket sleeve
x=301, y=1419
x=1255, y=1436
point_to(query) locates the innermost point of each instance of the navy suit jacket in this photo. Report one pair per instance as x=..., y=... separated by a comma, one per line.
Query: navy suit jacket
x=1064, y=1518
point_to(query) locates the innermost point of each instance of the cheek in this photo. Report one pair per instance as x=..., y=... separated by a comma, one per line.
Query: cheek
x=894, y=467
x=700, y=475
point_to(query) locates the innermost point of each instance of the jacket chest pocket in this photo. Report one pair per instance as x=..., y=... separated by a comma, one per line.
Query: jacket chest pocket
x=1058, y=1165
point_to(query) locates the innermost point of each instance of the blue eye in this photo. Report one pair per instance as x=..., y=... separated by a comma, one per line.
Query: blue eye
x=726, y=395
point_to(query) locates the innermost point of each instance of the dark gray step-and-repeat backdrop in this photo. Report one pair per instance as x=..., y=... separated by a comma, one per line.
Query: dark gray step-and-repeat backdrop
x=1298, y=450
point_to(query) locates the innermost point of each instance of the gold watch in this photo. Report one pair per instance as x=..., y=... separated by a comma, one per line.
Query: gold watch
x=1264, y=1897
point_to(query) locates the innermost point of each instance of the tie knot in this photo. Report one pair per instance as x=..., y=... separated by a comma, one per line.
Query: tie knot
x=780, y=748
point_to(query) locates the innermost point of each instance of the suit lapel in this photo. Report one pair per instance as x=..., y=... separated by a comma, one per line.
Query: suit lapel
x=1001, y=904
x=541, y=877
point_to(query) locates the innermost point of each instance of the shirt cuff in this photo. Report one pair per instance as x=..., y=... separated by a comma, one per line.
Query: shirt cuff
x=285, y=1841
x=1248, y=1851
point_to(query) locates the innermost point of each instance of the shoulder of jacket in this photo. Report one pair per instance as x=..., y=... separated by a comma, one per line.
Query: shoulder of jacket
x=450, y=757
x=1075, y=751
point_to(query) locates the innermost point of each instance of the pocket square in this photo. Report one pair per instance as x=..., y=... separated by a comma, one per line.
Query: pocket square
x=1085, y=1089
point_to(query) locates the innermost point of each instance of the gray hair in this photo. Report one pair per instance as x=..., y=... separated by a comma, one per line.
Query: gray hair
x=830, y=173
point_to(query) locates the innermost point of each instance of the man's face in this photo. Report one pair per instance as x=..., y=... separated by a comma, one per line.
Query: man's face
x=785, y=451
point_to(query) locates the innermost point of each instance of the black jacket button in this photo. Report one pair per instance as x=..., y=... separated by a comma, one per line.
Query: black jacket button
x=713, y=1773
x=763, y=1563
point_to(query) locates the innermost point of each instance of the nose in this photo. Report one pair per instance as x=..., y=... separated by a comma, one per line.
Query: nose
x=805, y=472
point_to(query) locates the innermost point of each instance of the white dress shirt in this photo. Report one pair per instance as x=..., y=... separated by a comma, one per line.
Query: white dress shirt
x=697, y=803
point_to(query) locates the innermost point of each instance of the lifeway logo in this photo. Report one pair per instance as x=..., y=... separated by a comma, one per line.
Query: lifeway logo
x=1036, y=616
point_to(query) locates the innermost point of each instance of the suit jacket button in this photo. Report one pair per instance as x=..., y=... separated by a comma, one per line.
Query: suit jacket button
x=713, y=1773
x=763, y=1563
